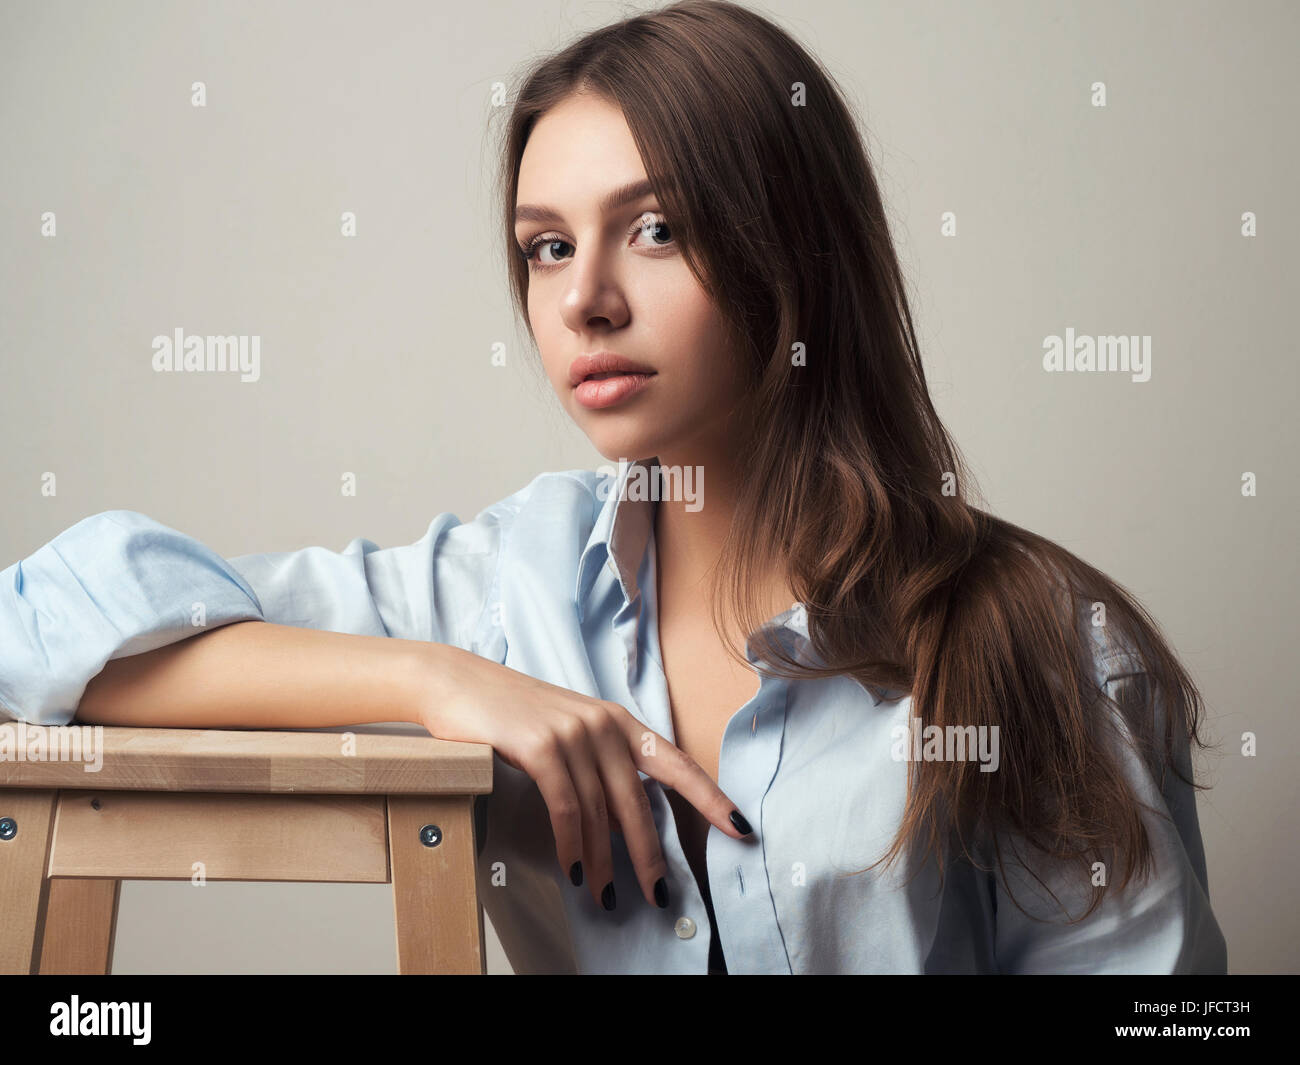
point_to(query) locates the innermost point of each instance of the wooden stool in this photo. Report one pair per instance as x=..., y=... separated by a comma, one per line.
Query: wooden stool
x=373, y=804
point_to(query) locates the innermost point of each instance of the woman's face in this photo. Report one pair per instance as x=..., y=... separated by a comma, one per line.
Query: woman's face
x=608, y=277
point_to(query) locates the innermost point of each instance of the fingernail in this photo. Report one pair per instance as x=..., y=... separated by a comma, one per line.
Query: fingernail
x=575, y=873
x=607, y=896
x=742, y=826
x=661, y=893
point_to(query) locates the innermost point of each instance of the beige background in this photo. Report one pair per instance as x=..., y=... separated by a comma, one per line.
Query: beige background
x=375, y=350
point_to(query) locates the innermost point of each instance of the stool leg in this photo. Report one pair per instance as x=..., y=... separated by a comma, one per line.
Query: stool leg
x=26, y=818
x=438, y=916
x=80, y=924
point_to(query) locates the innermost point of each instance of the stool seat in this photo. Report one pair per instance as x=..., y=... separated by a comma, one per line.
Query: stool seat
x=83, y=807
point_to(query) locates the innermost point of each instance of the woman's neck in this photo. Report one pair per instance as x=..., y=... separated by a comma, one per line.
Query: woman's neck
x=689, y=536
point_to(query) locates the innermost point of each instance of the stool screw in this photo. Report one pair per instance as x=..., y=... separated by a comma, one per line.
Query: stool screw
x=8, y=828
x=430, y=835
x=94, y=804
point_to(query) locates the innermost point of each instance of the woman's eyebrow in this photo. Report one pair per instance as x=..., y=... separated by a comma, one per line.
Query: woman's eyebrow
x=633, y=190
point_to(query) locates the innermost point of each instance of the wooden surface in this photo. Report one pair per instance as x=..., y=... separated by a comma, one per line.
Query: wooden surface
x=309, y=805
x=338, y=839
x=80, y=924
x=397, y=761
x=23, y=886
x=438, y=919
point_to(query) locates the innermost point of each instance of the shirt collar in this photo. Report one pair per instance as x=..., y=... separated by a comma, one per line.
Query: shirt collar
x=620, y=534
x=619, y=539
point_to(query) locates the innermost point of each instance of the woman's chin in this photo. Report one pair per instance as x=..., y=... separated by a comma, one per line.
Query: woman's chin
x=623, y=445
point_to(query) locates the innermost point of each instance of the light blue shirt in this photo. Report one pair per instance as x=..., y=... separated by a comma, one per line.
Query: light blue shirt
x=558, y=581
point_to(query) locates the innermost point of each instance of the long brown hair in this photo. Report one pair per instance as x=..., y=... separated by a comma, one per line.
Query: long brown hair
x=853, y=486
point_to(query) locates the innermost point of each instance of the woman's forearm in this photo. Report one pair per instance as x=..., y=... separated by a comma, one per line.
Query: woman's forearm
x=254, y=674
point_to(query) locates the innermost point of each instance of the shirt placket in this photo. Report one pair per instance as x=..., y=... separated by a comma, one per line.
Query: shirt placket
x=738, y=868
x=687, y=925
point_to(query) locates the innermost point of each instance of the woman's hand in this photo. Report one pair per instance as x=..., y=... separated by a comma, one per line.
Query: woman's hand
x=583, y=753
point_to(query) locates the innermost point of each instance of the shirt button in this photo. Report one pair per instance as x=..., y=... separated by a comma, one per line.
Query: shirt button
x=685, y=928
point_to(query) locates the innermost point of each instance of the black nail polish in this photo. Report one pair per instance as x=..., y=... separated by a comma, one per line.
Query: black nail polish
x=575, y=873
x=607, y=896
x=742, y=826
x=661, y=893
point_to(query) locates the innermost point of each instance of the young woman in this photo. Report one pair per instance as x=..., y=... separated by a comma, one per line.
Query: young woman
x=729, y=676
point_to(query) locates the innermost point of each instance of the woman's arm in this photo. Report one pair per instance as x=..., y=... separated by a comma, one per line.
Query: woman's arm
x=119, y=585
x=1161, y=925
x=253, y=674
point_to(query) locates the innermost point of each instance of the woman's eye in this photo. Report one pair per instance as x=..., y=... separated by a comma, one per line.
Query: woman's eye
x=655, y=229
x=544, y=251
x=536, y=251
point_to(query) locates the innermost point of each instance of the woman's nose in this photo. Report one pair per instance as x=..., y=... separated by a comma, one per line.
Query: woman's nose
x=591, y=291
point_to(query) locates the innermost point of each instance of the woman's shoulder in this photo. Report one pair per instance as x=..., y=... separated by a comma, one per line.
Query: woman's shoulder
x=1113, y=654
x=1093, y=602
x=578, y=492
x=554, y=508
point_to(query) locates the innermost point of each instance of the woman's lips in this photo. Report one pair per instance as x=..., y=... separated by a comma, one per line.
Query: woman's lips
x=607, y=389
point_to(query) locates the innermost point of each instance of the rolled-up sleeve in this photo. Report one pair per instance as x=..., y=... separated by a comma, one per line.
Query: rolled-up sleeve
x=1161, y=924
x=120, y=583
